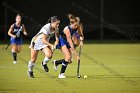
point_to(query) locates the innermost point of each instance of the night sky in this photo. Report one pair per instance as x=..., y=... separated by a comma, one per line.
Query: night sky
x=116, y=12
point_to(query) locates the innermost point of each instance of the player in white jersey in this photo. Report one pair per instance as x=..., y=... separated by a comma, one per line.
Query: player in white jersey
x=41, y=42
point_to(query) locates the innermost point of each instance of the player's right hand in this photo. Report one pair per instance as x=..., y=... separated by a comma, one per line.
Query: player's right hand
x=52, y=47
x=78, y=58
x=81, y=43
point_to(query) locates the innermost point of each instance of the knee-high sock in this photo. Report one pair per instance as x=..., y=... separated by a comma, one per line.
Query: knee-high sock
x=46, y=60
x=30, y=66
x=64, y=66
x=14, y=56
x=57, y=62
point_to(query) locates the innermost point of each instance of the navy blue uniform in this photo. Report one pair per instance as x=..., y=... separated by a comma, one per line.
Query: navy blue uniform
x=17, y=31
x=63, y=40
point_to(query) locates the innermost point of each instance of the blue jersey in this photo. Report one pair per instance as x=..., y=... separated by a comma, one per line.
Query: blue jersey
x=72, y=32
x=16, y=31
x=62, y=39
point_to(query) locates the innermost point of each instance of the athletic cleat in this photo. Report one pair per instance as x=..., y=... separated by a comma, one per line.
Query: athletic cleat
x=54, y=65
x=15, y=62
x=61, y=75
x=31, y=75
x=46, y=69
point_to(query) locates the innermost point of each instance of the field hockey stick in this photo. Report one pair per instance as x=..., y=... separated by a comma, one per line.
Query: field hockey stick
x=17, y=35
x=78, y=67
x=7, y=46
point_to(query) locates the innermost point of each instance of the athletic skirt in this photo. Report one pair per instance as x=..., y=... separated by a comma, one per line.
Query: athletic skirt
x=37, y=45
x=17, y=41
x=62, y=42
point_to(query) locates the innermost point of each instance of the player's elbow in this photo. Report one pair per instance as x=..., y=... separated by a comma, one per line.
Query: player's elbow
x=9, y=33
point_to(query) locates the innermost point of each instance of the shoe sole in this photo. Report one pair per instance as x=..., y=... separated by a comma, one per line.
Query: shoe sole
x=62, y=78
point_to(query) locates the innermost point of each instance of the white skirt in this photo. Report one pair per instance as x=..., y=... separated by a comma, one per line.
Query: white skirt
x=37, y=45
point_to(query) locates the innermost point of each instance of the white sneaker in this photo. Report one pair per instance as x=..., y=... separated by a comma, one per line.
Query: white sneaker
x=15, y=62
x=61, y=75
x=54, y=65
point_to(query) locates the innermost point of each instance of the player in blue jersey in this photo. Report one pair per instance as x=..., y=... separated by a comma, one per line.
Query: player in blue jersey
x=15, y=32
x=78, y=37
x=66, y=44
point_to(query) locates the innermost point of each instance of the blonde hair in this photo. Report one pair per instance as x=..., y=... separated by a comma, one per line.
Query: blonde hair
x=73, y=19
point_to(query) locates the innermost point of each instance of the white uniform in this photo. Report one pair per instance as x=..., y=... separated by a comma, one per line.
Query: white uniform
x=38, y=44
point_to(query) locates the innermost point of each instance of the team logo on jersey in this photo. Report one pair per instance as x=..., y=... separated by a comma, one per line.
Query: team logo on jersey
x=18, y=31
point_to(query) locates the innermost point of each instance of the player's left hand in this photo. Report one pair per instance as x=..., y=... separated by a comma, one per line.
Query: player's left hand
x=52, y=47
x=81, y=43
x=78, y=58
x=25, y=33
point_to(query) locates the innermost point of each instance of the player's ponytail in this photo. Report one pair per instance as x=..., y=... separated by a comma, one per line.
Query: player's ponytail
x=49, y=20
x=78, y=18
x=53, y=19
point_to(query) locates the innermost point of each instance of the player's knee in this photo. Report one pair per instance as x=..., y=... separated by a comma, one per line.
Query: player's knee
x=68, y=58
x=71, y=60
x=14, y=50
x=50, y=56
x=18, y=51
x=33, y=59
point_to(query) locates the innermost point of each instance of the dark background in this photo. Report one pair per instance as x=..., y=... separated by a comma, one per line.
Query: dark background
x=121, y=17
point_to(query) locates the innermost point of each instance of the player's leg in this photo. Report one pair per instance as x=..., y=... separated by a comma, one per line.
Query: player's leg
x=31, y=63
x=65, y=62
x=14, y=52
x=48, y=55
x=56, y=63
x=19, y=48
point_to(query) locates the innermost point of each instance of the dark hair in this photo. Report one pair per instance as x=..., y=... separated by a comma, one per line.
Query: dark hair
x=18, y=15
x=53, y=19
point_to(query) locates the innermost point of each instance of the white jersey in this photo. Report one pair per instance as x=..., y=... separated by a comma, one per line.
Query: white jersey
x=38, y=44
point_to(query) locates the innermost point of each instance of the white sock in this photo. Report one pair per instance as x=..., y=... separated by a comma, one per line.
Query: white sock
x=46, y=60
x=30, y=66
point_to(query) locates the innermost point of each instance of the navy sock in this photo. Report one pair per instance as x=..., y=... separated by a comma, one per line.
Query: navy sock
x=57, y=62
x=14, y=56
x=75, y=46
x=64, y=66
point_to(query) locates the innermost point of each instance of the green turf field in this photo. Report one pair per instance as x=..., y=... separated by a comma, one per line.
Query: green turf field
x=111, y=68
